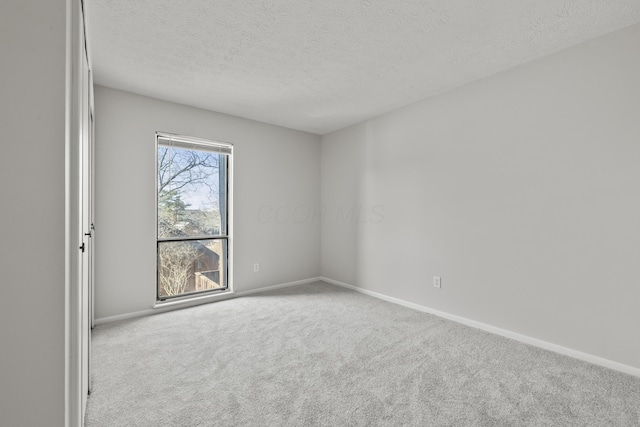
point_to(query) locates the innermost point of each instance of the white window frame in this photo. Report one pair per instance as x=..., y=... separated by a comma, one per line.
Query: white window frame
x=184, y=141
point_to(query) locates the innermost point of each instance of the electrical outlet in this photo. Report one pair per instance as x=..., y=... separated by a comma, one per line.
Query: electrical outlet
x=256, y=267
x=437, y=282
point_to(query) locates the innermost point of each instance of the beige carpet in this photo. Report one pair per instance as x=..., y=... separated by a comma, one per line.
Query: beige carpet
x=320, y=355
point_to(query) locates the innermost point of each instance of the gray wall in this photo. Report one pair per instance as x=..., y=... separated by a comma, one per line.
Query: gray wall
x=32, y=234
x=521, y=190
x=276, y=189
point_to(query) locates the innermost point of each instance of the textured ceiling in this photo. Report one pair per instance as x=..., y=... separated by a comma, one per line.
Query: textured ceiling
x=321, y=65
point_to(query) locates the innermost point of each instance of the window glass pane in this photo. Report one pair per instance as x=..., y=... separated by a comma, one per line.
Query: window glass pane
x=191, y=192
x=191, y=266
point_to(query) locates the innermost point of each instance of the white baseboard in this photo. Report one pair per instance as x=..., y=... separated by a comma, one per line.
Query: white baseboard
x=109, y=319
x=280, y=286
x=596, y=360
x=175, y=305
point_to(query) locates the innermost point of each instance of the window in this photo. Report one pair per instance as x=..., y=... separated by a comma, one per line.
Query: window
x=192, y=216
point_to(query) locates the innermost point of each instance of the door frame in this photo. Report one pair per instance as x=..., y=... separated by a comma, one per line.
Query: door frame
x=76, y=290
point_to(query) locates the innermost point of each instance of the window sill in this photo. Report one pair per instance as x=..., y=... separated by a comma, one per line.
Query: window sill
x=195, y=300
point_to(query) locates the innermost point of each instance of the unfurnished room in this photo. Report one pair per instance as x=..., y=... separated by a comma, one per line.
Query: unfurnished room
x=320, y=213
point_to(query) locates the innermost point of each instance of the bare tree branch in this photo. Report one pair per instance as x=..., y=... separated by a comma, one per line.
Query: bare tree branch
x=179, y=168
x=176, y=264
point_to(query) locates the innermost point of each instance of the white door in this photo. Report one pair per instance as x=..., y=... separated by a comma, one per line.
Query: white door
x=86, y=221
x=79, y=163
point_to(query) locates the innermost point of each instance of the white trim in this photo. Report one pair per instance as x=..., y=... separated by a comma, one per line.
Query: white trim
x=109, y=319
x=192, y=302
x=194, y=143
x=73, y=399
x=280, y=286
x=68, y=253
x=586, y=357
x=188, y=301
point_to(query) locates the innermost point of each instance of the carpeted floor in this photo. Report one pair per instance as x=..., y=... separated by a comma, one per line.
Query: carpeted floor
x=320, y=355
